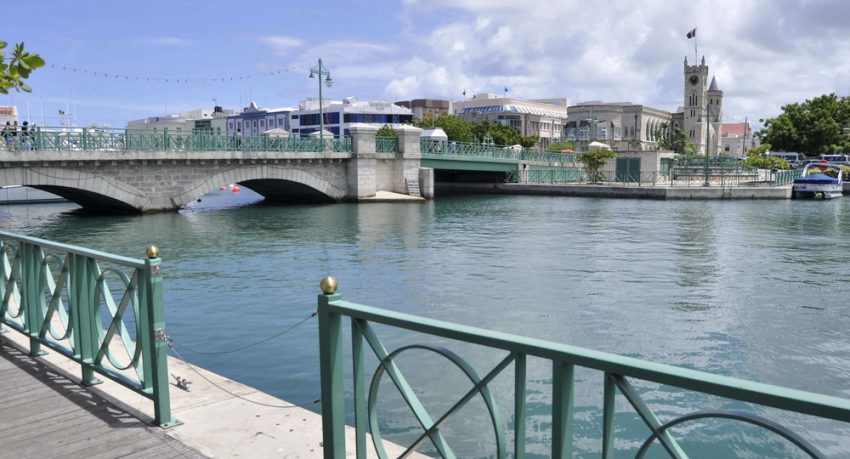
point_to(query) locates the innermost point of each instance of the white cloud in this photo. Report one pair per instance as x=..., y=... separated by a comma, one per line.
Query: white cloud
x=281, y=45
x=764, y=53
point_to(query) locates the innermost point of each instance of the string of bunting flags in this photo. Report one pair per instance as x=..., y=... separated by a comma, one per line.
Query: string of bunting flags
x=119, y=76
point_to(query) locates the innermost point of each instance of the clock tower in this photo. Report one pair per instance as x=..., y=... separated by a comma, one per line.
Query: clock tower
x=700, y=100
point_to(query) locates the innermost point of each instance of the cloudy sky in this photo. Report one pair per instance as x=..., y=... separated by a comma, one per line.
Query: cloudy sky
x=108, y=61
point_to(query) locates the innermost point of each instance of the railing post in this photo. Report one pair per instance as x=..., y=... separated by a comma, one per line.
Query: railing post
x=519, y=406
x=85, y=139
x=33, y=314
x=155, y=333
x=361, y=421
x=82, y=298
x=330, y=356
x=562, y=410
x=608, y=405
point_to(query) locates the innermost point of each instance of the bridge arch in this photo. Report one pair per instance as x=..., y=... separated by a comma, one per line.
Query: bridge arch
x=93, y=191
x=275, y=183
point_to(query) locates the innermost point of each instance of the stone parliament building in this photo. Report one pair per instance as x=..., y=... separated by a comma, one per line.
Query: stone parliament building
x=628, y=126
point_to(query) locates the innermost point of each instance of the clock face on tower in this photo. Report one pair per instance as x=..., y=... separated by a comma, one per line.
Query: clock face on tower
x=694, y=80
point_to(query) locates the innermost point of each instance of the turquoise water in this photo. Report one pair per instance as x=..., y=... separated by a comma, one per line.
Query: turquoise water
x=750, y=289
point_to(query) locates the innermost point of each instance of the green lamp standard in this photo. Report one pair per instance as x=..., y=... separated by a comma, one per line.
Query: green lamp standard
x=707, y=142
x=321, y=71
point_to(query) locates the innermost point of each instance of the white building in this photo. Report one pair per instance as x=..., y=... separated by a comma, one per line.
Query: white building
x=541, y=118
x=8, y=113
x=340, y=114
x=184, y=123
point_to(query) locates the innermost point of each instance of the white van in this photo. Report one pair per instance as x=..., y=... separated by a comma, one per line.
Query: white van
x=836, y=159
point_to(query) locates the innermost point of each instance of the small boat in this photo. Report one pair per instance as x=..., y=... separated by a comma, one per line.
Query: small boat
x=820, y=178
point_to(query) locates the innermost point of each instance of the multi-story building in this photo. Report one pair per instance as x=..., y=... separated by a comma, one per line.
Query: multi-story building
x=627, y=126
x=207, y=119
x=622, y=125
x=338, y=115
x=8, y=113
x=542, y=118
x=427, y=108
x=254, y=120
x=737, y=138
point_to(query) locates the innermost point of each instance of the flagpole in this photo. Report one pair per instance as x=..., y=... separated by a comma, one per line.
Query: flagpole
x=696, y=54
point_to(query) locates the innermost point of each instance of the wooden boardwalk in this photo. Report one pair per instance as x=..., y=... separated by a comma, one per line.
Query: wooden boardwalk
x=45, y=414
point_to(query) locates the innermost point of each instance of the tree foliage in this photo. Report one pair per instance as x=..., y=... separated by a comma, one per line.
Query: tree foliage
x=502, y=134
x=757, y=159
x=386, y=131
x=594, y=160
x=455, y=128
x=558, y=146
x=816, y=126
x=17, y=68
x=676, y=140
x=459, y=130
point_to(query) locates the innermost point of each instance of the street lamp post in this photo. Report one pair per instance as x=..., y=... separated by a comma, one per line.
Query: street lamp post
x=321, y=71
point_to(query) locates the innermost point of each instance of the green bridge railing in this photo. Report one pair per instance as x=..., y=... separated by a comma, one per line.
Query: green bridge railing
x=62, y=297
x=491, y=151
x=617, y=374
x=102, y=139
x=386, y=144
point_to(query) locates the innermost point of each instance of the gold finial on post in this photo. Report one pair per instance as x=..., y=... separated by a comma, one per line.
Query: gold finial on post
x=328, y=285
x=152, y=251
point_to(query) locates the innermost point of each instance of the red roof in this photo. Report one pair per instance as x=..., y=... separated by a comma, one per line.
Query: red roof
x=736, y=129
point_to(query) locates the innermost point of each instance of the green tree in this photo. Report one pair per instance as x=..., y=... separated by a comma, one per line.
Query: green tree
x=815, y=126
x=386, y=131
x=502, y=134
x=558, y=146
x=455, y=128
x=594, y=160
x=17, y=68
x=675, y=139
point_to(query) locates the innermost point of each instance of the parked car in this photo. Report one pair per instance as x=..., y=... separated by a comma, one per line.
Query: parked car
x=792, y=158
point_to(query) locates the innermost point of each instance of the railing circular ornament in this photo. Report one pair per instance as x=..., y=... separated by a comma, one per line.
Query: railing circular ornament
x=459, y=362
x=742, y=416
x=55, y=296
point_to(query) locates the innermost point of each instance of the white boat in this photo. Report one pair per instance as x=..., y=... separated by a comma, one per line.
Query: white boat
x=820, y=178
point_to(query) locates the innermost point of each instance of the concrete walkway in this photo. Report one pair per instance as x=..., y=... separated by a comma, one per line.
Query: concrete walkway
x=45, y=414
x=221, y=417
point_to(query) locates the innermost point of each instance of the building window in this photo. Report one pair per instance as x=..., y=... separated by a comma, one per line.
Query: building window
x=262, y=123
x=584, y=133
x=601, y=133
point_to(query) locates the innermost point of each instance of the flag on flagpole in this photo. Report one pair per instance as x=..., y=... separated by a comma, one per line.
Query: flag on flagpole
x=464, y=93
x=692, y=33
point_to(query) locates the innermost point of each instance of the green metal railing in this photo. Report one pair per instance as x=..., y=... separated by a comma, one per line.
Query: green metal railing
x=618, y=372
x=386, y=144
x=62, y=297
x=483, y=150
x=676, y=177
x=727, y=162
x=89, y=139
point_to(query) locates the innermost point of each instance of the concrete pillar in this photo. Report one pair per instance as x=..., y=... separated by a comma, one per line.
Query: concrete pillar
x=426, y=182
x=410, y=152
x=361, y=167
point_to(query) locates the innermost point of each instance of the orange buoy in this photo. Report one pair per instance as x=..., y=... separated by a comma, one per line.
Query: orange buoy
x=235, y=189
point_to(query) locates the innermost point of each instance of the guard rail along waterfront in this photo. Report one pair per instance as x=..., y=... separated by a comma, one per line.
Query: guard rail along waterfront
x=63, y=297
x=617, y=376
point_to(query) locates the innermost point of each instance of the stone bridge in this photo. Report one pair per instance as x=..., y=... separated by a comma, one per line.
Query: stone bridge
x=141, y=180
